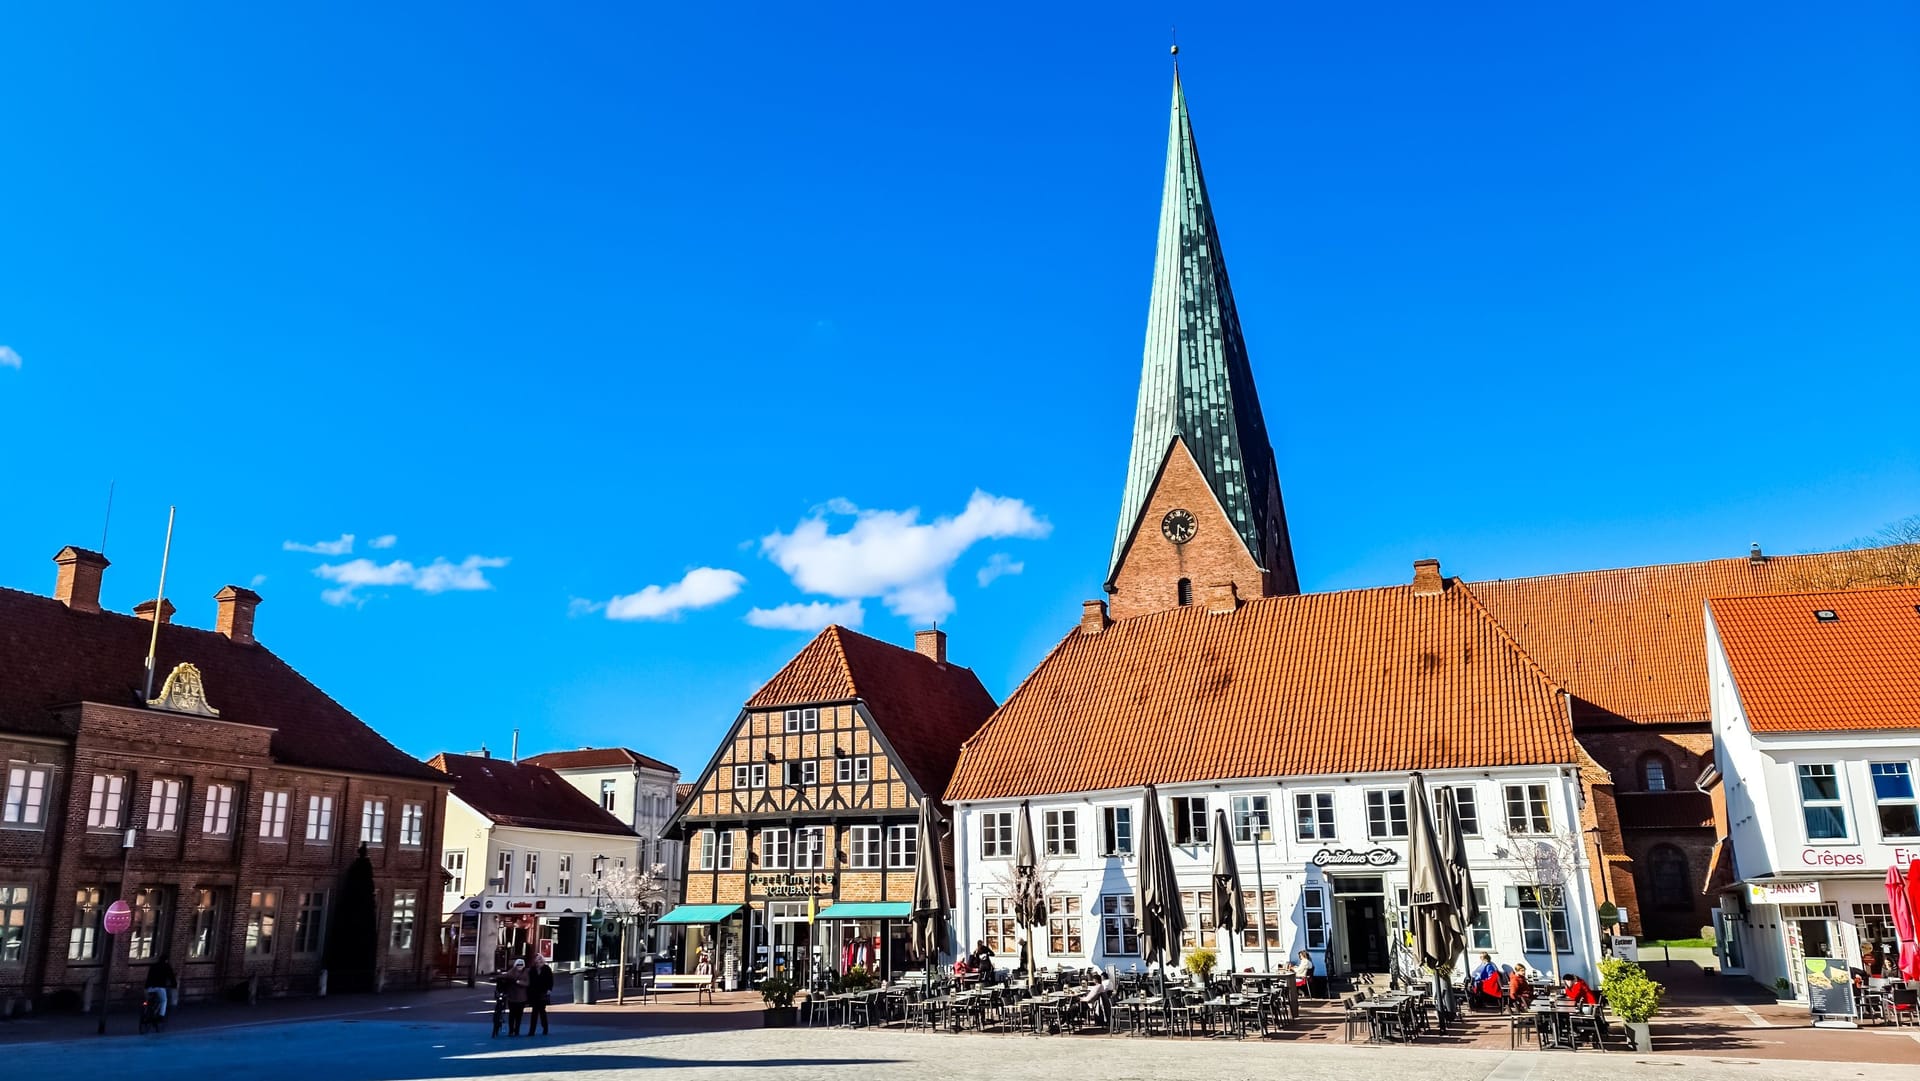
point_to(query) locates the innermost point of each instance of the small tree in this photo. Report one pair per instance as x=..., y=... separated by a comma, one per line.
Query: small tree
x=1544, y=863
x=627, y=894
x=1631, y=994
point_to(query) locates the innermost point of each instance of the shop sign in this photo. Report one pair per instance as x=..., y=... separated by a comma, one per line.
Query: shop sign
x=1832, y=857
x=791, y=885
x=1347, y=857
x=1785, y=893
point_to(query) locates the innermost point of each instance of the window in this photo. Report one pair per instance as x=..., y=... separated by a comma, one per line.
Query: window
x=1119, y=930
x=1469, y=812
x=996, y=835
x=1189, y=820
x=776, y=850
x=804, y=772
x=203, y=936
x=530, y=876
x=1263, y=911
x=1879, y=943
x=742, y=777
x=1198, y=905
x=163, y=806
x=725, y=858
x=413, y=822
x=103, y=809
x=1820, y=804
x=26, y=806
x=1313, y=816
x=1668, y=877
x=373, y=822
x=1893, y=796
x=1480, y=935
x=273, y=816
x=1252, y=820
x=1063, y=832
x=606, y=790
x=1533, y=931
x=456, y=864
x=1183, y=592
x=1313, y=916
x=803, y=720
x=83, y=942
x=853, y=770
x=1001, y=928
x=810, y=848
x=1063, y=925
x=147, y=938
x=1386, y=813
x=863, y=847
x=1116, y=831
x=1654, y=773
x=566, y=874
x=1527, y=809
x=310, y=922
x=406, y=904
x=759, y=771
x=263, y=908
x=217, y=819
x=503, y=870
x=14, y=907
x=903, y=846
x=319, y=818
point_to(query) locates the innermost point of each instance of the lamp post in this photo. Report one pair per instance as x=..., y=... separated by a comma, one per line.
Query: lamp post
x=106, y=971
x=1260, y=891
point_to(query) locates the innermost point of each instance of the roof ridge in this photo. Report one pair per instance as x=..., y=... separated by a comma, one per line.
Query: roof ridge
x=1679, y=563
x=1857, y=591
x=1501, y=628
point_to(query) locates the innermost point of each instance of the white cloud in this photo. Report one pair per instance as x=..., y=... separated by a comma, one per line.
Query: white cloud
x=807, y=617
x=439, y=576
x=385, y=540
x=998, y=564
x=9, y=358
x=892, y=555
x=258, y=581
x=322, y=548
x=701, y=587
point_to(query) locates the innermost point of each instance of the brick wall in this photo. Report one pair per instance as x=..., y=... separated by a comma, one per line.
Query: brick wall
x=1641, y=822
x=1151, y=569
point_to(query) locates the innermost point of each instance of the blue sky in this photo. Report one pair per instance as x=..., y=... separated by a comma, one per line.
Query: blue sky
x=572, y=303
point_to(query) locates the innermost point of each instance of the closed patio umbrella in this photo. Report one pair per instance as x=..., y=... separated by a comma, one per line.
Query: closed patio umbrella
x=1229, y=903
x=1453, y=848
x=1437, y=932
x=1901, y=905
x=1157, y=893
x=1029, y=900
x=932, y=896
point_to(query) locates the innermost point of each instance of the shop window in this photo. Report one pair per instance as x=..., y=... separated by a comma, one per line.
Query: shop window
x=263, y=912
x=83, y=941
x=14, y=906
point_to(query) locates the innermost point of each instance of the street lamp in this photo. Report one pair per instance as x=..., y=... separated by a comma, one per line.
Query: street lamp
x=127, y=842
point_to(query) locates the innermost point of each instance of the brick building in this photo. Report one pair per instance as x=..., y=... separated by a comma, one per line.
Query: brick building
x=810, y=807
x=244, y=789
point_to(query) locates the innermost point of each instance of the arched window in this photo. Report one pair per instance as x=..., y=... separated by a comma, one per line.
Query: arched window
x=1656, y=773
x=1667, y=875
x=1185, y=591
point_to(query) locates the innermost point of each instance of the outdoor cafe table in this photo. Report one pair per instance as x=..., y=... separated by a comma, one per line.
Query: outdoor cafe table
x=1137, y=1010
x=1555, y=1021
x=1390, y=1002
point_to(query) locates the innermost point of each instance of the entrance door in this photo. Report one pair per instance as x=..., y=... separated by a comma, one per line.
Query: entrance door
x=1363, y=922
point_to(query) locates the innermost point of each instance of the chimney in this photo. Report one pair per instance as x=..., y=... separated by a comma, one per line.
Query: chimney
x=1426, y=578
x=235, y=618
x=1754, y=556
x=1093, y=617
x=931, y=644
x=78, y=586
x=145, y=610
x=1222, y=598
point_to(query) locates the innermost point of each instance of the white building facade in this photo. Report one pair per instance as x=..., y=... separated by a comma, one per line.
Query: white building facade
x=637, y=790
x=1817, y=743
x=1322, y=862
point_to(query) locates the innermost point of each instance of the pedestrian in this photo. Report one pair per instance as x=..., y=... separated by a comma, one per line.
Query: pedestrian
x=510, y=996
x=162, y=984
x=539, y=994
x=1303, y=975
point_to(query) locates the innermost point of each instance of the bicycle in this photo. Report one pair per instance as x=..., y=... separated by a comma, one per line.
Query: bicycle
x=151, y=1019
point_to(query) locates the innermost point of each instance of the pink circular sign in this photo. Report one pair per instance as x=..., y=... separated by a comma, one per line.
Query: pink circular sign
x=119, y=917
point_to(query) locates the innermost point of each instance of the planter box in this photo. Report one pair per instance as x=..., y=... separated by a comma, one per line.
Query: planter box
x=780, y=1016
x=1640, y=1035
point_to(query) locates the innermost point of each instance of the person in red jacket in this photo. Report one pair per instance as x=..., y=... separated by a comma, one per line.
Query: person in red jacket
x=1577, y=991
x=1519, y=991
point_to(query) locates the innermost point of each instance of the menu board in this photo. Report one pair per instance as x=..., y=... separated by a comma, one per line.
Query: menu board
x=1829, y=988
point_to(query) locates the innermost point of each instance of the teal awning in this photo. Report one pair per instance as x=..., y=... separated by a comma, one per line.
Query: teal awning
x=867, y=910
x=697, y=914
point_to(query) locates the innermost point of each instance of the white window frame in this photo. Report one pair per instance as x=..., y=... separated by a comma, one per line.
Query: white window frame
x=1536, y=815
x=530, y=874
x=1313, y=916
x=1245, y=810
x=743, y=777
x=216, y=816
x=454, y=861
x=1119, y=926
x=1480, y=932
x=1061, y=832
x=903, y=846
x=319, y=819
x=759, y=772
x=413, y=823
x=705, y=854
x=373, y=822
x=1065, y=925
x=273, y=814
x=776, y=849
x=1469, y=807
x=563, y=870
x=810, y=848
x=406, y=920
x=105, y=802
x=29, y=784
x=163, y=805
x=1187, y=817
x=1906, y=773
x=502, y=871
x=1116, y=824
x=1384, y=799
x=723, y=848
x=865, y=849
x=1313, y=817
x=610, y=794
x=996, y=835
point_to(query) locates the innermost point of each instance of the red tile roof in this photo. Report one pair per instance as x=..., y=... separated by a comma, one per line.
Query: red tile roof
x=1372, y=680
x=51, y=655
x=525, y=795
x=1797, y=673
x=924, y=709
x=597, y=758
x=1630, y=643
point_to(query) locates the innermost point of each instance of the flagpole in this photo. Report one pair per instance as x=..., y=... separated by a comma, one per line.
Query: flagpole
x=159, y=604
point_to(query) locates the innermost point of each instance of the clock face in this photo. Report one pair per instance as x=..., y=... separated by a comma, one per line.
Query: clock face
x=1179, y=525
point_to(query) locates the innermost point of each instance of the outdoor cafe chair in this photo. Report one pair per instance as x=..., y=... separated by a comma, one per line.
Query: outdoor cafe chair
x=1352, y=1014
x=1903, y=1003
x=1592, y=1021
x=1519, y=1020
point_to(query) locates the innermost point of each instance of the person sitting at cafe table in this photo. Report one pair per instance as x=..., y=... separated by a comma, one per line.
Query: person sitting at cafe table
x=1485, y=985
x=1577, y=991
x=1519, y=991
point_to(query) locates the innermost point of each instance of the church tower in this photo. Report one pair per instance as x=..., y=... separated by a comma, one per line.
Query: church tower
x=1201, y=512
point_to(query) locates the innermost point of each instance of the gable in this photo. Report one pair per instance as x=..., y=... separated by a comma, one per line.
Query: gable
x=749, y=775
x=1150, y=566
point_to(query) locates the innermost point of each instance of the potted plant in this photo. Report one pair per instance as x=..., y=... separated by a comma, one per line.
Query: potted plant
x=1200, y=964
x=778, y=993
x=1633, y=996
x=1782, y=989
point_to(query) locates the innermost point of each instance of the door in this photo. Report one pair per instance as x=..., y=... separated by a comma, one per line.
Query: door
x=1363, y=922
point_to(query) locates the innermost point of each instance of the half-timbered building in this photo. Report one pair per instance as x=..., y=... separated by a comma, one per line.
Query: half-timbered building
x=802, y=831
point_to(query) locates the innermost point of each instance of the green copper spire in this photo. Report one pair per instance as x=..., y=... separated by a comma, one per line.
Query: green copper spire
x=1195, y=382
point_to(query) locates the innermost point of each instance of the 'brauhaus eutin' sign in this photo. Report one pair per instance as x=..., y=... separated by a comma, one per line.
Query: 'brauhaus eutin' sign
x=791, y=885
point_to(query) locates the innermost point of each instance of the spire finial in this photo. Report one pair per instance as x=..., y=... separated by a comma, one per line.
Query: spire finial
x=1174, y=33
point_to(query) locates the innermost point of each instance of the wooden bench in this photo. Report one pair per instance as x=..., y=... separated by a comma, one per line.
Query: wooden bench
x=699, y=985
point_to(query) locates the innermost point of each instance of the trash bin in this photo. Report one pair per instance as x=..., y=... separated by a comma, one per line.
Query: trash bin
x=583, y=981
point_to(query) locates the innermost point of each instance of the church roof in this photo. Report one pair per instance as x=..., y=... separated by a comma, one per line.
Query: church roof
x=1359, y=681
x=1195, y=380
